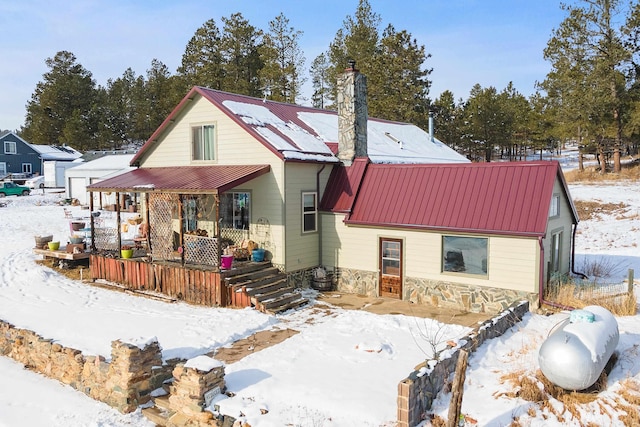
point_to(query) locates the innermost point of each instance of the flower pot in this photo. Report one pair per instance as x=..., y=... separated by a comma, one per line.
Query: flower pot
x=257, y=255
x=226, y=262
x=126, y=253
x=53, y=246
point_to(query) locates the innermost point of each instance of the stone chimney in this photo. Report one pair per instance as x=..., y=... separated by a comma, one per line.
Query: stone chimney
x=352, y=115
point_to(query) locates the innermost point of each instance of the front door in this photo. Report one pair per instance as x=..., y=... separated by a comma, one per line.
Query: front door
x=390, y=268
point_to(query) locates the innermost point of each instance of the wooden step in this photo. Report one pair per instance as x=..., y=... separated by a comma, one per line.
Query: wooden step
x=266, y=286
x=297, y=303
x=253, y=275
x=279, y=300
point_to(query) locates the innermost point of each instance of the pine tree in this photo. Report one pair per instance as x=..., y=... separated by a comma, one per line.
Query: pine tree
x=399, y=88
x=319, y=79
x=240, y=44
x=202, y=62
x=448, y=121
x=588, y=59
x=283, y=61
x=357, y=40
x=60, y=109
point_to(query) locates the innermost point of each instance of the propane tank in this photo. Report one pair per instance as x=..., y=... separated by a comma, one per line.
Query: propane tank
x=575, y=354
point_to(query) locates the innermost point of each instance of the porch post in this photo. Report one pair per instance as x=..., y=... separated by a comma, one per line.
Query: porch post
x=146, y=218
x=181, y=236
x=118, y=222
x=92, y=222
x=216, y=198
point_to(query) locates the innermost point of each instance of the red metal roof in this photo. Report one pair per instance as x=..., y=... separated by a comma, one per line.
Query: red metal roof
x=343, y=186
x=183, y=179
x=489, y=198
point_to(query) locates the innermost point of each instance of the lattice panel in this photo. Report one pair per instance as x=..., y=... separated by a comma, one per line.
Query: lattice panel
x=105, y=238
x=163, y=207
x=237, y=236
x=200, y=250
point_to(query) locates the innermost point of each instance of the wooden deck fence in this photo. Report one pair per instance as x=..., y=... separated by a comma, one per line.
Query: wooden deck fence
x=191, y=285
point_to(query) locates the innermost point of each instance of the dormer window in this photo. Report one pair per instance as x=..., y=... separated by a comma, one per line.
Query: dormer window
x=203, y=142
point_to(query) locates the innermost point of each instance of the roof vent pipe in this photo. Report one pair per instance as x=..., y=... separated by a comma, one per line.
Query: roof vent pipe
x=430, y=126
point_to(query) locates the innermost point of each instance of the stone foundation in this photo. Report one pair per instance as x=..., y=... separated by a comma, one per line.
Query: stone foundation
x=476, y=299
x=357, y=282
x=417, y=392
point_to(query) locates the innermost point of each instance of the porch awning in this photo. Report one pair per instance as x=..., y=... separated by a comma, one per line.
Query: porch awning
x=181, y=179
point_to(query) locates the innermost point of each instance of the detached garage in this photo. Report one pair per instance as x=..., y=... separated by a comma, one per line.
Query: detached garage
x=79, y=177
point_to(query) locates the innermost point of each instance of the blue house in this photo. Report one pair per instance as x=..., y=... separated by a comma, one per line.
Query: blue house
x=17, y=156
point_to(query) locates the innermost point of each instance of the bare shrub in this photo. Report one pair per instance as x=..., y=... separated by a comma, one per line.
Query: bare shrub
x=602, y=268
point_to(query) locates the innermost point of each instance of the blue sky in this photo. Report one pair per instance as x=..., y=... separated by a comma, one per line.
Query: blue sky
x=490, y=42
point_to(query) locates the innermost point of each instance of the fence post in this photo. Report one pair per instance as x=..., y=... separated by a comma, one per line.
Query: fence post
x=630, y=281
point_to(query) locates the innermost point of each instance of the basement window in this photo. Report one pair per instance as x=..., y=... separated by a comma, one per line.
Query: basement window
x=466, y=255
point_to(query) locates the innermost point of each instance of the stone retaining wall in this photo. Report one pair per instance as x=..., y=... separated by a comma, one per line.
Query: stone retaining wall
x=417, y=392
x=124, y=383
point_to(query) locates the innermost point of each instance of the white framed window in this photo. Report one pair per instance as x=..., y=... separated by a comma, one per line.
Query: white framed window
x=554, y=208
x=556, y=251
x=10, y=147
x=203, y=142
x=468, y=255
x=3, y=168
x=309, y=212
x=26, y=168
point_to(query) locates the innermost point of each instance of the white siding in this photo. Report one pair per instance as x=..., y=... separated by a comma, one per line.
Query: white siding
x=234, y=146
x=512, y=262
x=302, y=248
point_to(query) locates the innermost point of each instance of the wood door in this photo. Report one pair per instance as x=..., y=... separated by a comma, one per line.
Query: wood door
x=390, y=261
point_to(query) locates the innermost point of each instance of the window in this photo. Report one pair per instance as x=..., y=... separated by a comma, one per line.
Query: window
x=554, y=209
x=556, y=250
x=10, y=147
x=3, y=168
x=235, y=208
x=465, y=255
x=203, y=142
x=309, y=212
x=26, y=168
x=190, y=213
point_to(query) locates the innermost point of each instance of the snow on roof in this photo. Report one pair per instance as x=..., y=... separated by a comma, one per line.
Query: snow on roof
x=55, y=152
x=109, y=162
x=287, y=137
x=387, y=142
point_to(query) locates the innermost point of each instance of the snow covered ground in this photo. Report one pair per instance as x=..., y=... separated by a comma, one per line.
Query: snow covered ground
x=326, y=375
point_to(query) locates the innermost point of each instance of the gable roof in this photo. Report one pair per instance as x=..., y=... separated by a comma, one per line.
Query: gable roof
x=182, y=179
x=299, y=133
x=490, y=198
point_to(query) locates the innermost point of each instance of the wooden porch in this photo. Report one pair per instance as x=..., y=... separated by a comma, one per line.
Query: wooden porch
x=247, y=284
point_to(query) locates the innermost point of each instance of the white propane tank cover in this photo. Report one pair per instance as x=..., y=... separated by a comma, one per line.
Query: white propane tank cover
x=575, y=354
